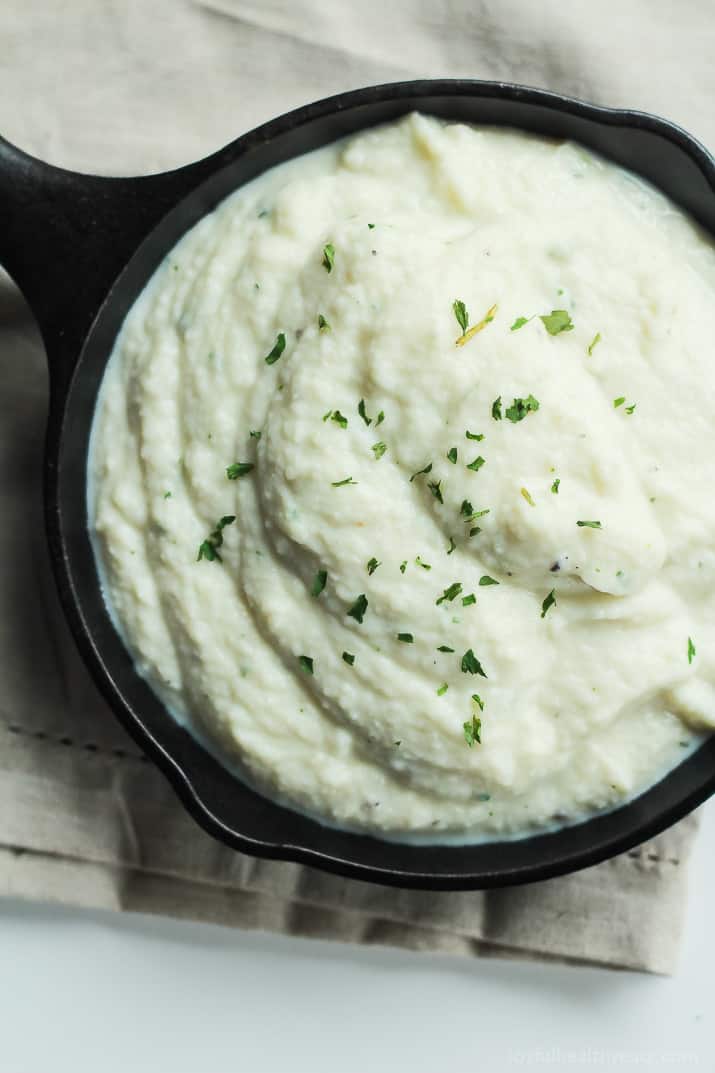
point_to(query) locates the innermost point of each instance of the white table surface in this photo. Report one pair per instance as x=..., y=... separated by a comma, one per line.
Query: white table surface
x=100, y=992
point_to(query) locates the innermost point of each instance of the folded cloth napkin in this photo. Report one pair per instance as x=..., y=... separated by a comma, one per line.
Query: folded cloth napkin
x=121, y=86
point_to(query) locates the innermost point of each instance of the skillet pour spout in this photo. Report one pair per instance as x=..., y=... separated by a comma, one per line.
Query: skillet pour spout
x=82, y=248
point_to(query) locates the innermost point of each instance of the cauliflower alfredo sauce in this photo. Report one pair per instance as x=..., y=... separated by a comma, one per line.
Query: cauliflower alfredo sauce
x=402, y=483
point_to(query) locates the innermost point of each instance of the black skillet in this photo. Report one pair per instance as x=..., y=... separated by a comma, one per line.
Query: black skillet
x=81, y=249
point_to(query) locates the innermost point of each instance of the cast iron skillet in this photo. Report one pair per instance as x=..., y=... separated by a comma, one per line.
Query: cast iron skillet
x=81, y=249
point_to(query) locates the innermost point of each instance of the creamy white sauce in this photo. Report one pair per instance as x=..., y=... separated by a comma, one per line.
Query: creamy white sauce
x=582, y=707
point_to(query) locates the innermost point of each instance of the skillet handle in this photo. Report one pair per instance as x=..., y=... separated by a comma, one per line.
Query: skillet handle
x=64, y=238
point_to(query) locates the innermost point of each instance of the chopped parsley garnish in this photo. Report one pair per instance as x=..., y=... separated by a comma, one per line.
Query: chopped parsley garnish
x=323, y=325
x=167, y=495
x=208, y=549
x=467, y=509
x=450, y=593
x=452, y=546
x=519, y=323
x=255, y=434
x=278, y=348
x=471, y=665
x=630, y=409
x=555, y=486
x=473, y=731
x=349, y=658
x=445, y=648
x=474, y=530
x=319, y=583
x=452, y=455
x=619, y=401
x=548, y=603
x=371, y=226
x=372, y=565
x=359, y=608
x=485, y=579
x=691, y=650
x=427, y=469
x=338, y=418
x=527, y=496
x=558, y=320
x=477, y=463
x=461, y=314
x=520, y=408
x=378, y=449
x=306, y=663
x=496, y=409
x=467, y=601
x=406, y=637
x=478, y=436
x=380, y=418
x=238, y=469
x=328, y=256
x=339, y=484
x=589, y=525
x=434, y=487
x=468, y=334
x=442, y=689
x=594, y=343
x=424, y=565
x=478, y=701
x=363, y=415
x=403, y=566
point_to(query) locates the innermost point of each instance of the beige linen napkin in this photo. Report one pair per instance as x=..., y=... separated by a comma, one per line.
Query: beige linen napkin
x=122, y=86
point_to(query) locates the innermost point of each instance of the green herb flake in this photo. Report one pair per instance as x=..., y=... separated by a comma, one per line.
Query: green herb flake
x=167, y=495
x=319, y=583
x=427, y=469
x=208, y=549
x=371, y=227
x=593, y=344
x=442, y=689
x=471, y=665
x=555, y=486
x=406, y=638
x=496, y=409
x=339, y=484
x=471, y=332
x=445, y=648
x=691, y=650
x=520, y=408
x=467, y=601
x=379, y=449
x=328, y=256
x=467, y=509
x=403, y=566
x=372, y=565
x=589, y=525
x=557, y=321
x=306, y=663
x=473, y=731
x=434, y=487
x=519, y=323
x=361, y=412
x=619, y=401
x=461, y=314
x=452, y=546
x=338, y=418
x=548, y=603
x=238, y=469
x=630, y=409
x=278, y=348
x=527, y=496
x=357, y=611
x=475, y=530
x=255, y=434
x=485, y=580
x=450, y=593
x=323, y=325
x=478, y=701
x=349, y=658
x=380, y=418
x=452, y=455
x=422, y=563
x=478, y=436
x=477, y=463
